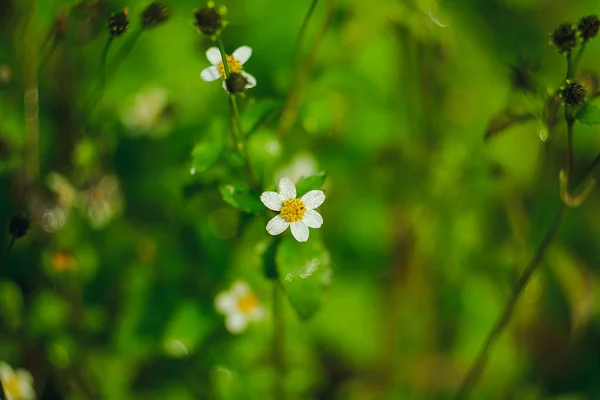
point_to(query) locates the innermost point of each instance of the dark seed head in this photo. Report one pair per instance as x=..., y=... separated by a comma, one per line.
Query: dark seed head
x=588, y=27
x=18, y=226
x=573, y=94
x=154, y=15
x=565, y=37
x=117, y=23
x=208, y=20
x=236, y=83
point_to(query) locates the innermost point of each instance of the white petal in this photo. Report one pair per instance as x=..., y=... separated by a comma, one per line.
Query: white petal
x=210, y=74
x=257, y=314
x=272, y=200
x=313, y=199
x=277, y=225
x=27, y=392
x=287, y=188
x=214, y=56
x=312, y=219
x=236, y=323
x=251, y=79
x=25, y=376
x=225, y=303
x=242, y=54
x=300, y=231
x=225, y=86
x=239, y=289
x=5, y=371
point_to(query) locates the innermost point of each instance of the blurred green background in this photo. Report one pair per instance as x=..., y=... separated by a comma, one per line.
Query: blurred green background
x=427, y=226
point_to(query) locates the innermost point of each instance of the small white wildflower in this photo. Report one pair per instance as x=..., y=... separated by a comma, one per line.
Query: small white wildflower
x=102, y=201
x=144, y=113
x=239, y=305
x=235, y=63
x=18, y=385
x=298, y=214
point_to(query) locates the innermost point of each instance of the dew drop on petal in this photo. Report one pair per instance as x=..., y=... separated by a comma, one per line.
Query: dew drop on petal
x=543, y=135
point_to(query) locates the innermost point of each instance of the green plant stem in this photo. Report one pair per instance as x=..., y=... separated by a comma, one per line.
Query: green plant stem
x=290, y=108
x=9, y=248
x=237, y=131
x=569, y=65
x=302, y=33
x=474, y=372
x=103, y=58
x=30, y=92
x=577, y=60
x=570, y=121
x=278, y=342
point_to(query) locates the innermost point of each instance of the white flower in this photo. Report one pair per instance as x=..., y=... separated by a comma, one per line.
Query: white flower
x=145, y=113
x=18, y=385
x=235, y=63
x=299, y=214
x=240, y=306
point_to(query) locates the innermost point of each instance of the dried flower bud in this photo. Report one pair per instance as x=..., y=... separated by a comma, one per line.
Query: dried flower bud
x=573, y=93
x=210, y=20
x=117, y=23
x=236, y=83
x=565, y=37
x=588, y=27
x=154, y=15
x=18, y=226
x=523, y=75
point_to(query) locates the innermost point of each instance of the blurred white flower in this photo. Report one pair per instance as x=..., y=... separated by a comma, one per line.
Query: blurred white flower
x=298, y=214
x=239, y=305
x=235, y=63
x=18, y=385
x=303, y=164
x=144, y=113
x=102, y=201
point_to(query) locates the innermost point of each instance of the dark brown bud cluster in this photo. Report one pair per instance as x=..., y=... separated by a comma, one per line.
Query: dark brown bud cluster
x=155, y=14
x=117, y=23
x=588, y=27
x=565, y=37
x=573, y=94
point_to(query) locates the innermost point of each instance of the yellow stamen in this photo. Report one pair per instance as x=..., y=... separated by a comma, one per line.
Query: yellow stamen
x=233, y=64
x=12, y=386
x=247, y=303
x=293, y=210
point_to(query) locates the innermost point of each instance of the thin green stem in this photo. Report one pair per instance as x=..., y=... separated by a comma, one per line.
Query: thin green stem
x=9, y=248
x=577, y=59
x=103, y=58
x=30, y=92
x=302, y=33
x=474, y=372
x=278, y=343
x=569, y=65
x=570, y=121
x=237, y=130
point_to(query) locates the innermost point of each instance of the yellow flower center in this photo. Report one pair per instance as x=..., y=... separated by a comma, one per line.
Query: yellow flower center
x=12, y=386
x=247, y=303
x=293, y=210
x=233, y=64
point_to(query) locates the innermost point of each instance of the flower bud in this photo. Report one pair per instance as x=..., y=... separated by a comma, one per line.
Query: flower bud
x=564, y=37
x=210, y=20
x=18, y=226
x=154, y=15
x=117, y=23
x=588, y=27
x=236, y=83
x=573, y=93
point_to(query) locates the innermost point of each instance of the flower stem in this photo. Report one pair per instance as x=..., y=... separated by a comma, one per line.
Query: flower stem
x=569, y=65
x=577, y=59
x=278, y=342
x=103, y=62
x=31, y=93
x=302, y=33
x=474, y=372
x=9, y=248
x=570, y=121
x=290, y=108
x=237, y=131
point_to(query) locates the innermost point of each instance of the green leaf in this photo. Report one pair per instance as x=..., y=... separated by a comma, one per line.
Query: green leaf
x=504, y=120
x=589, y=115
x=257, y=113
x=186, y=330
x=241, y=197
x=307, y=183
x=208, y=151
x=305, y=272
